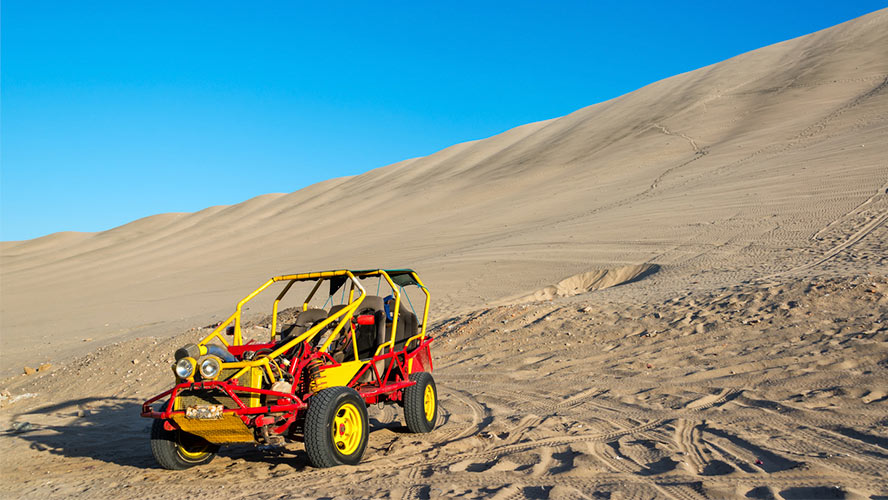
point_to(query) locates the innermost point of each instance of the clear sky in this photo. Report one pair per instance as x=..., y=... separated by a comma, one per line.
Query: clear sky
x=113, y=111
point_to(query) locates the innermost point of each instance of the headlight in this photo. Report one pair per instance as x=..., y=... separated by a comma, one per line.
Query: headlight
x=184, y=368
x=210, y=367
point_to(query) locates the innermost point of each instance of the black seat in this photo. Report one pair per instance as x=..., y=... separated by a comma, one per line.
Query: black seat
x=407, y=327
x=304, y=321
x=369, y=337
x=335, y=309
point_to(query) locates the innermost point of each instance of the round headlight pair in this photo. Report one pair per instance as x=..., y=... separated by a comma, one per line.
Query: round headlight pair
x=184, y=368
x=210, y=367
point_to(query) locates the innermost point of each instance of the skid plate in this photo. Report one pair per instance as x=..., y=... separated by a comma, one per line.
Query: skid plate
x=227, y=429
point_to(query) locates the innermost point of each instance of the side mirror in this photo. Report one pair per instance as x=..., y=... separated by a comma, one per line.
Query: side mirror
x=366, y=319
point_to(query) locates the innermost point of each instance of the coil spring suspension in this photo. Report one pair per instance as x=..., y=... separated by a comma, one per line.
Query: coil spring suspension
x=314, y=374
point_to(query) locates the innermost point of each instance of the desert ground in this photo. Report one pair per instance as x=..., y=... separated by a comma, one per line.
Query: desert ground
x=678, y=293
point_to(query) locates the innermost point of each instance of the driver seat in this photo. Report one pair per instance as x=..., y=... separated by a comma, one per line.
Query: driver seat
x=304, y=321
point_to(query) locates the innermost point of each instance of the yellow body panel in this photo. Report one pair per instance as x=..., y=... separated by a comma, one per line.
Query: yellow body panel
x=336, y=375
x=252, y=380
x=228, y=429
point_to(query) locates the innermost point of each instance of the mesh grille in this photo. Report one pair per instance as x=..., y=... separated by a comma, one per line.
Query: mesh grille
x=188, y=398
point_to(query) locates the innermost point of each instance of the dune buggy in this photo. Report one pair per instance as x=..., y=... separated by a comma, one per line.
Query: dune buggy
x=310, y=380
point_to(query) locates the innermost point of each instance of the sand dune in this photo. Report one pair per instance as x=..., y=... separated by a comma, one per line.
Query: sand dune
x=724, y=171
x=751, y=364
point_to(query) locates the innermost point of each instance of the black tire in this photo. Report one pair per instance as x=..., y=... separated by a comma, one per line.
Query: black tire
x=177, y=450
x=336, y=427
x=421, y=403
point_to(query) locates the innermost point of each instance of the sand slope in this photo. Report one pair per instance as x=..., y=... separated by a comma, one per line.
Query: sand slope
x=728, y=170
x=751, y=364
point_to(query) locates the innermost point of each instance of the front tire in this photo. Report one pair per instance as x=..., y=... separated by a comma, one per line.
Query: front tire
x=336, y=427
x=177, y=450
x=421, y=403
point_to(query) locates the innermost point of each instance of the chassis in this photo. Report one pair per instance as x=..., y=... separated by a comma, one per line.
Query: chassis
x=310, y=381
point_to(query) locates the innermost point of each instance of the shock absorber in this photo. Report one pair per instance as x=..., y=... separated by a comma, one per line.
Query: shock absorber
x=314, y=375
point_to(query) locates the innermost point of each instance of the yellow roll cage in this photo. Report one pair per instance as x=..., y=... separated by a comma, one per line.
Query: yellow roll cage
x=343, y=315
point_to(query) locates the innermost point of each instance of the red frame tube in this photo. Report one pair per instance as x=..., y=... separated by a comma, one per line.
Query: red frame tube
x=370, y=392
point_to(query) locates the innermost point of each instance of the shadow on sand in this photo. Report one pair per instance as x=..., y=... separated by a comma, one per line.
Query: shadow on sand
x=110, y=430
x=105, y=429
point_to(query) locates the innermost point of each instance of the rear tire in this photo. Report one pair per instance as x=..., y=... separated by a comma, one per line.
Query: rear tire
x=177, y=450
x=421, y=403
x=336, y=427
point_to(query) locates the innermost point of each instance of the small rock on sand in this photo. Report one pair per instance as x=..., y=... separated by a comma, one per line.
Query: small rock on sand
x=18, y=427
x=44, y=367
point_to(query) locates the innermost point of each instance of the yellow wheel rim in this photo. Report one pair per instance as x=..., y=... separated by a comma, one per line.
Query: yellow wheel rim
x=190, y=451
x=429, y=403
x=347, y=429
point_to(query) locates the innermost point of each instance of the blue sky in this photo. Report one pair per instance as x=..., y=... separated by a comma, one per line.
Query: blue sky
x=113, y=111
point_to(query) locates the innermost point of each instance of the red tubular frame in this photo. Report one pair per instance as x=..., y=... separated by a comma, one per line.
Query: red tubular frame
x=370, y=392
x=229, y=389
